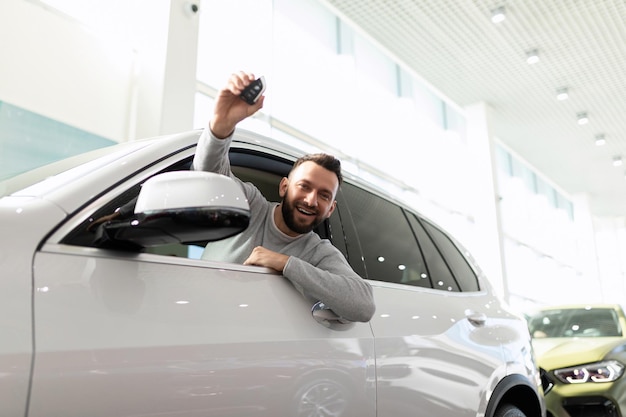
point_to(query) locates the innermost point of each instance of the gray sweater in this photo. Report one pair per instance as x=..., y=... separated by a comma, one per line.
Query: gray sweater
x=315, y=267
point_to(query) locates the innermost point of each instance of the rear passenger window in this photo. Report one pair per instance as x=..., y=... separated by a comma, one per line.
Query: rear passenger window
x=461, y=270
x=390, y=250
x=400, y=248
x=440, y=272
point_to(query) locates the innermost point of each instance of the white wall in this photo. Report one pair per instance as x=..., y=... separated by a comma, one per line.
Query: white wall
x=118, y=87
x=52, y=67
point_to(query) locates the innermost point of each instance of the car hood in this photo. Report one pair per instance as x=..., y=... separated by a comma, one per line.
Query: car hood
x=554, y=353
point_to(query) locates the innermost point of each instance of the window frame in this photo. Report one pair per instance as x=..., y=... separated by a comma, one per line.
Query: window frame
x=240, y=156
x=409, y=212
x=339, y=229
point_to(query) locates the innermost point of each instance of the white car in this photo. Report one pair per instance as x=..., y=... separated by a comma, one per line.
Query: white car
x=121, y=317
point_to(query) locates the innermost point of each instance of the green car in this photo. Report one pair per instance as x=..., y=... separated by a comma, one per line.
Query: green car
x=581, y=351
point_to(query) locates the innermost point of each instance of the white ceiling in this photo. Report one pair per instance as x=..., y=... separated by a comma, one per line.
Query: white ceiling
x=456, y=48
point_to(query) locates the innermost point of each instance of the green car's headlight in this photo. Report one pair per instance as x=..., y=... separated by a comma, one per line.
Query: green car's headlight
x=607, y=371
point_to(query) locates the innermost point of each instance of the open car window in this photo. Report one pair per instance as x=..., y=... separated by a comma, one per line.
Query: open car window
x=89, y=232
x=263, y=171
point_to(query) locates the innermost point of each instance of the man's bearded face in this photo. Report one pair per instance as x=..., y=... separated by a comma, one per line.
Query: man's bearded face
x=299, y=217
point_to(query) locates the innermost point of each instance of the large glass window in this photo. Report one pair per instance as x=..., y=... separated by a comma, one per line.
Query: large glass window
x=234, y=35
x=29, y=140
x=539, y=229
x=307, y=88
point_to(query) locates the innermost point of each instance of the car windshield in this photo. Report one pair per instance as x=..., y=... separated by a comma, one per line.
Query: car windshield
x=575, y=322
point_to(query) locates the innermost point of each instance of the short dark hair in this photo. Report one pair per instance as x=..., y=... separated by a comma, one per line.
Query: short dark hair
x=324, y=160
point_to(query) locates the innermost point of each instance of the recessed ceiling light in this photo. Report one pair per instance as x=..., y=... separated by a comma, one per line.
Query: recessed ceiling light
x=532, y=56
x=600, y=139
x=617, y=161
x=498, y=15
x=582, y=117
x=562, y=93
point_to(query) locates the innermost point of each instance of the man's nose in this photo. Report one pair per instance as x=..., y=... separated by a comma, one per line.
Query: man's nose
x=311, y=198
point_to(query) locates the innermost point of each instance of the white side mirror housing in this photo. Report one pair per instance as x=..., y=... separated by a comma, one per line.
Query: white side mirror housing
x=186, y=207
x=189, y=189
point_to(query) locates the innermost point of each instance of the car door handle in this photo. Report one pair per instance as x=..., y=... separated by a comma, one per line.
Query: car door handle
x=476, y=318
x=328, y=318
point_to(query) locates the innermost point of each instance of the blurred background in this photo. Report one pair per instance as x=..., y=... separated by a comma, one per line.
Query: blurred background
x=78, y=75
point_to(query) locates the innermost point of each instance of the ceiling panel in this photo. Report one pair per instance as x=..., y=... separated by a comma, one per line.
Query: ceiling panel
x=454, y=46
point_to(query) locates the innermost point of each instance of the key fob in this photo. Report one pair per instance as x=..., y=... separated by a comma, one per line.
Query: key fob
x=253, y=91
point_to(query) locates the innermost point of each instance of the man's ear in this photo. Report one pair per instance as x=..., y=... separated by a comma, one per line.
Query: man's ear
x=282, y=187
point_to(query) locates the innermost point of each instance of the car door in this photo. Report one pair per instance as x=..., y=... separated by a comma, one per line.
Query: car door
x=126, y=334
x=437, y=347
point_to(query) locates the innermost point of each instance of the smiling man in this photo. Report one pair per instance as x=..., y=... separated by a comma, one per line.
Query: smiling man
x=280, y=235
x=308, y=193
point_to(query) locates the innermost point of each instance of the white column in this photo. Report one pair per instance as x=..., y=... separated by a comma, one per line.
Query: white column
x=179, y=83
x=587, y=257
x=489, y=249
x=164, y=85
x=610, y=243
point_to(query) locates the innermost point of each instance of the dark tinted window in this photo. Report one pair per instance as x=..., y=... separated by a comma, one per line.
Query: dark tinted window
x=440, y=273
x=390, y=250
x=461, y=270
x=332, y=230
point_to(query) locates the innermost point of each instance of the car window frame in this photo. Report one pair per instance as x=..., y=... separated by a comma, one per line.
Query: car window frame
x=331, y=229
x=340, y=229
x=256, y=157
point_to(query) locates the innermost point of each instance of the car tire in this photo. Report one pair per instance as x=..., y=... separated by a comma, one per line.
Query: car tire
x=509, y=410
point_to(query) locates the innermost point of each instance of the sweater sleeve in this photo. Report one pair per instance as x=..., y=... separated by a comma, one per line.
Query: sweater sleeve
x=212, y=154
x=331, y=280
x=327, y=277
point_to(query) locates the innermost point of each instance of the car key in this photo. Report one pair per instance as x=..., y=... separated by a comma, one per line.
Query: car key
x=253, y=91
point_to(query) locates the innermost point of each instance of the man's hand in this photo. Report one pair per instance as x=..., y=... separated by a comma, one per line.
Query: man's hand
x=229, y=108
x=261, y=256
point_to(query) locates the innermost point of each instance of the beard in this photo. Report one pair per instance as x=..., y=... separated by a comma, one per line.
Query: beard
x=289, y=209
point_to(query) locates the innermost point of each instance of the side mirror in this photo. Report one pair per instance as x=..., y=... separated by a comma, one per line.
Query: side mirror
x=183, y=207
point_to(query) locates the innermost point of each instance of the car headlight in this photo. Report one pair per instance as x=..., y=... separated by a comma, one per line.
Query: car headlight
x=607, y=371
